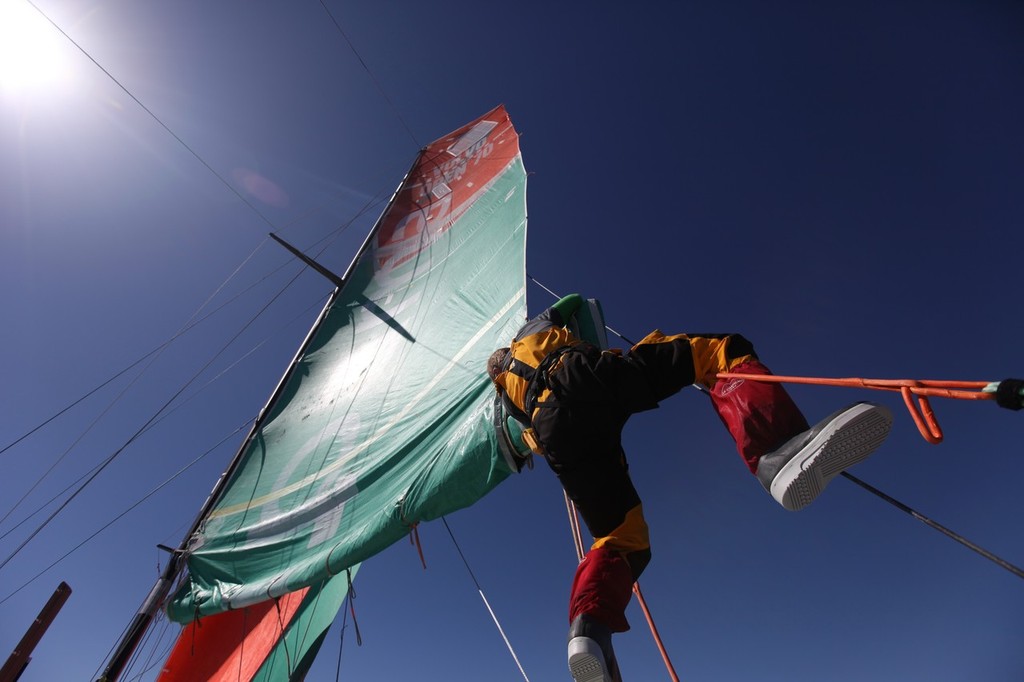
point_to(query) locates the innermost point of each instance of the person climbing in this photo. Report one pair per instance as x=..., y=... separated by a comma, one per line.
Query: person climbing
x=574, y=400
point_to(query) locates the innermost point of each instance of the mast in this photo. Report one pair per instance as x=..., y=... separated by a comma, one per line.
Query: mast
x=158, y=594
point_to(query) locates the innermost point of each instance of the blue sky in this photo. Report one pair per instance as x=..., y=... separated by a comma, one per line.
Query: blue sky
x=839, y=183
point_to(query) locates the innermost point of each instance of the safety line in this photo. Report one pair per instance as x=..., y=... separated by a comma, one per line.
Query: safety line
x=480, y=591
x=921, y=413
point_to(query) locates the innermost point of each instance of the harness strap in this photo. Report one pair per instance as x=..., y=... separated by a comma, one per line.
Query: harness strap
x=539, y=380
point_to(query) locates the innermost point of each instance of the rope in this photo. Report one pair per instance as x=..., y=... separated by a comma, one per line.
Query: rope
x=352, y=606
x=480, y=591
x=414, y=538
x=654, y=631
x=341, y=638
x=574, y=527
x=577, y=536
x=921, y=413
x=281, y=626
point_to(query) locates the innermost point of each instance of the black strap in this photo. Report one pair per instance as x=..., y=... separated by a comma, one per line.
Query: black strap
x=539, y=381
x=1009, y=394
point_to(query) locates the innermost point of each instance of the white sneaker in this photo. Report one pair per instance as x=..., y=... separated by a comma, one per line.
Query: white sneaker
x=586, y=661
x=797, y=472
x=591, y=658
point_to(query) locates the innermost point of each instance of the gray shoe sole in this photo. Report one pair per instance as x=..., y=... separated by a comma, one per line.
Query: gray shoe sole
x=586, y=661
x=848, y=439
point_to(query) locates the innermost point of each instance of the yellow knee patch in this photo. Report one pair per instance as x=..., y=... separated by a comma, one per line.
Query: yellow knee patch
x=630, y=536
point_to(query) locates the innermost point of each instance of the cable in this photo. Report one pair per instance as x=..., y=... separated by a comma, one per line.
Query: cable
x=163, y=125
x=105, y=463
x=370, y=73
x=126, y=511
x=164, y=416
x=486, y=603
x=556, y=296
x=937, y=526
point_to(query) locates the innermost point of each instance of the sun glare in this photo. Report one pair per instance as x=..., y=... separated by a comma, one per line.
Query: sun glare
x=30, y=48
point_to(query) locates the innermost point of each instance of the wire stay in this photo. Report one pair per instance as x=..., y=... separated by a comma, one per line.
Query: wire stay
x=487, y=604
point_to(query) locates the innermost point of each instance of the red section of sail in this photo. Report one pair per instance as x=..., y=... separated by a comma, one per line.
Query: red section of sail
x=447, y=176
x=230, y=646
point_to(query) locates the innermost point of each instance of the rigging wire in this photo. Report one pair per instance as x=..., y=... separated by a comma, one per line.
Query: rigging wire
x=556, y=296
x=156, y=656
x=480, y=591
x=301, y=637
x=157, y=653
x=152, y=419
x=376, y=82
x=160, y=348
x=135, y=660
x=195, y=321
x=156, y=118
x=129, y=509
x=166, y=415
x=192, y=322
x=937, y=526
x=205, y=164
x=921, y=517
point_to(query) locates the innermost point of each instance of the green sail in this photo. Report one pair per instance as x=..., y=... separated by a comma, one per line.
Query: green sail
x=386, y=419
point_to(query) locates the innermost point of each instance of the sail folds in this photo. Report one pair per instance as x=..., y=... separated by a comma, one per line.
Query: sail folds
x=386, y=418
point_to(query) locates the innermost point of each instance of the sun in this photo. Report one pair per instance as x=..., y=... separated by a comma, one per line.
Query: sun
x=31, y=54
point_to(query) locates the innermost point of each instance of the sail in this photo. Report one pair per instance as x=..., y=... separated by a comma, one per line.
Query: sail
x=386, y=417
x=269, y=641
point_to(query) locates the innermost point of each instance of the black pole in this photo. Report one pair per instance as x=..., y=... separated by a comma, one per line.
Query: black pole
x=937, y=526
